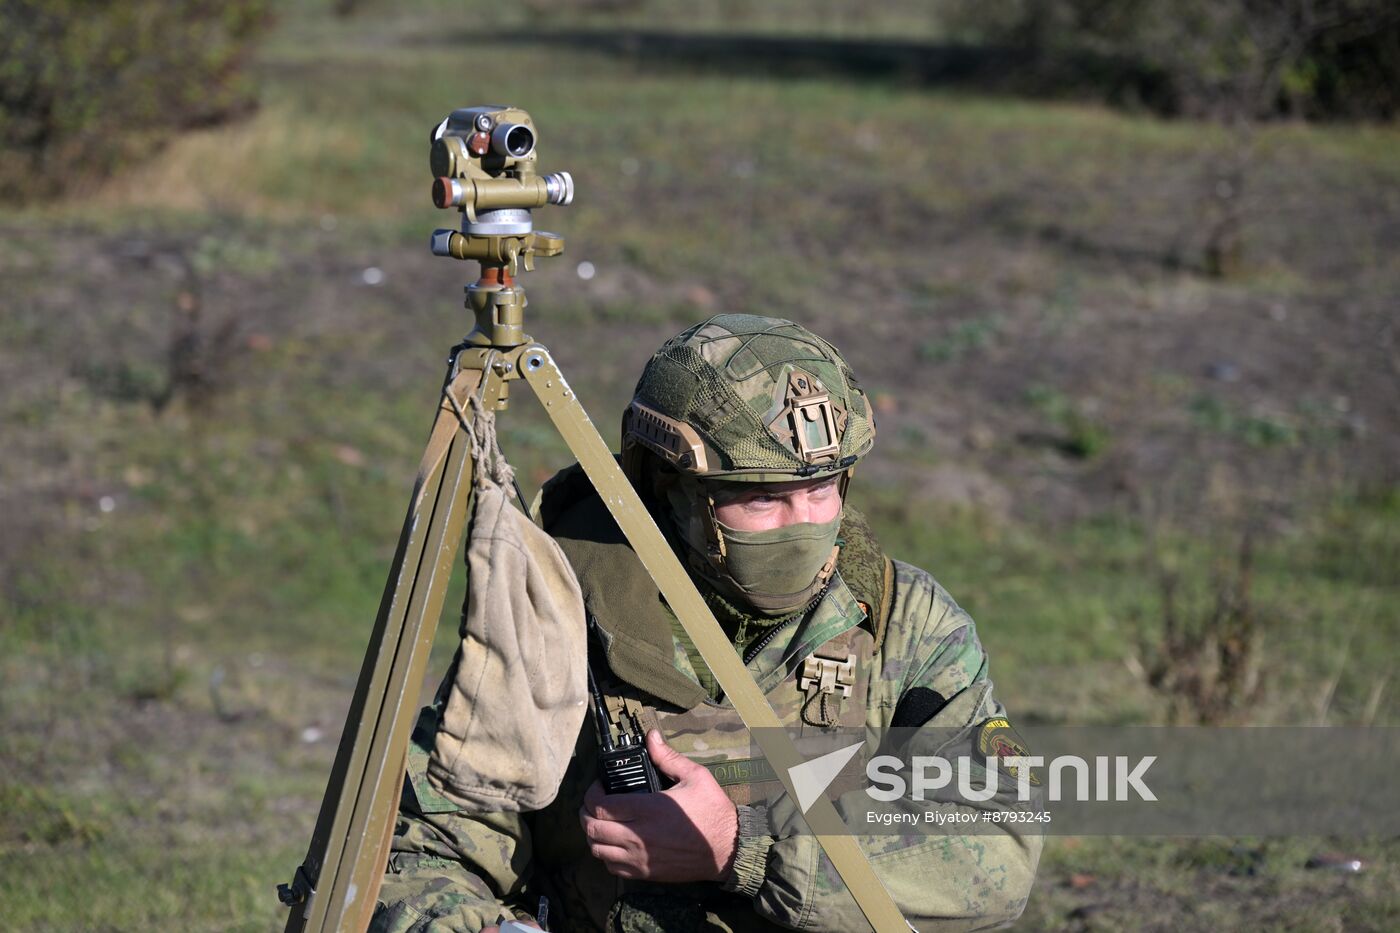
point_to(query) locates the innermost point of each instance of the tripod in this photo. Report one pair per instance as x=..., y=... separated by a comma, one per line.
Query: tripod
x=484, y=160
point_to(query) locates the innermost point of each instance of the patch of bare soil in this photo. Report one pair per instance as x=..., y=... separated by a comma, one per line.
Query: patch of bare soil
x=1045, y=385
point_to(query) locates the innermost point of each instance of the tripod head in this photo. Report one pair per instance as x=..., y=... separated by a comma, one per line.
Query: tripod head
x=485, y=165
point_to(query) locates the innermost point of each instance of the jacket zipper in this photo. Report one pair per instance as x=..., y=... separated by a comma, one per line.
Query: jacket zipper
x=757, y=647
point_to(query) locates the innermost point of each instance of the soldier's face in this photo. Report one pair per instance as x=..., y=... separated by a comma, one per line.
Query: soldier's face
x=765, y=506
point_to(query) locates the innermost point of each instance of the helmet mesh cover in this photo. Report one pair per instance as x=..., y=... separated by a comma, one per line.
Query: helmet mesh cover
x=729, y=378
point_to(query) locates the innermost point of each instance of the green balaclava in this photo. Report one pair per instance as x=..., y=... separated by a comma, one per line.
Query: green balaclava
x=744, y=398
x=775, y=572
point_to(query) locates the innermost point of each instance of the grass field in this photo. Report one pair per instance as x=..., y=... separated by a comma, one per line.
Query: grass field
x=1070, y=412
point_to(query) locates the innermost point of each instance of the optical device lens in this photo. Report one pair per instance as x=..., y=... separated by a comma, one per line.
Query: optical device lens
x=513, y=139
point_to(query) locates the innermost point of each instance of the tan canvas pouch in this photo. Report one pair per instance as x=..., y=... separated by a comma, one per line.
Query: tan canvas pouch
x=518, y=694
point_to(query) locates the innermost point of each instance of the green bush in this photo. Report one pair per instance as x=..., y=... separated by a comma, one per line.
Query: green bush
x=88, y=85
x=1227, y=59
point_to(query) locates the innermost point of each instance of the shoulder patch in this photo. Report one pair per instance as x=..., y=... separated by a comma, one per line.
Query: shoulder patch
x=999, y=739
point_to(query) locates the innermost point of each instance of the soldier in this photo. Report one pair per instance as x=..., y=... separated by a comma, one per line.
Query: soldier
x=741, y=439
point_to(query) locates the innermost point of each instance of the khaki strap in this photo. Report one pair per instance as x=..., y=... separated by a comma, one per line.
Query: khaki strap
x=882, y=624
x=626, y=712
x=836, y=648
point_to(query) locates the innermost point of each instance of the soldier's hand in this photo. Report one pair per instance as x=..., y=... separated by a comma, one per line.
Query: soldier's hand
x=685, y=833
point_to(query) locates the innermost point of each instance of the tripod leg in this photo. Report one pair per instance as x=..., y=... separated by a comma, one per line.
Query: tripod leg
x=380, y=860
x=336, y=886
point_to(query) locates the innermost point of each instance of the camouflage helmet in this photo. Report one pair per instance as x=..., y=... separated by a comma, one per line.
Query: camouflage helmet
x=744, y=397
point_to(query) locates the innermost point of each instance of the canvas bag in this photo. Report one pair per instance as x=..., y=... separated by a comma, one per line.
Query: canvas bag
x=519, y=690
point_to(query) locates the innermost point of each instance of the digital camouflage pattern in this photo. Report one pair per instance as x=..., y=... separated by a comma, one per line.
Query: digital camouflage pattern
x=451, y=872
x=769, y=398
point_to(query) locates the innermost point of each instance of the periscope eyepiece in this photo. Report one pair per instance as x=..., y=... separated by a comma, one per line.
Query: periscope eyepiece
x=512, y=140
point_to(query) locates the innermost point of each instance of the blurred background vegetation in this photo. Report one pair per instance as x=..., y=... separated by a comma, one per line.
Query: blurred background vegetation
x=1121, y=276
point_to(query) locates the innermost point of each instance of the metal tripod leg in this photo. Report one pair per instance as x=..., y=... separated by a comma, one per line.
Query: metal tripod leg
x=337, y=885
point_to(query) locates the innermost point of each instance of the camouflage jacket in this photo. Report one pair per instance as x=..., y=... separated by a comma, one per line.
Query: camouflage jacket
x=455, y=872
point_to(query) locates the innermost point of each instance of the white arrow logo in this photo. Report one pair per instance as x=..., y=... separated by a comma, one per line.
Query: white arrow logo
x=811, y=778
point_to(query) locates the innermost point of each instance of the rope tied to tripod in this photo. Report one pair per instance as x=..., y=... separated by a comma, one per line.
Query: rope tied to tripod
x=480, y=429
